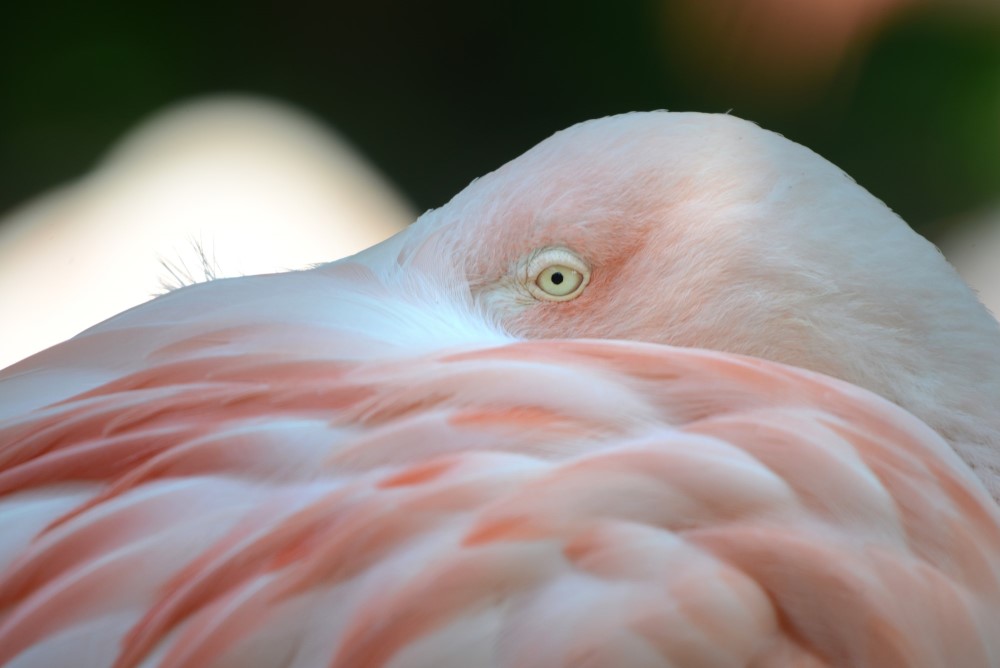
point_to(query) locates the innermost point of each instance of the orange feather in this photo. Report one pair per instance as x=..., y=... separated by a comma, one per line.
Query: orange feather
x=348, y=467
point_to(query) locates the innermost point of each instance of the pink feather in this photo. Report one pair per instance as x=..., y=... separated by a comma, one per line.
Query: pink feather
x=360, y=465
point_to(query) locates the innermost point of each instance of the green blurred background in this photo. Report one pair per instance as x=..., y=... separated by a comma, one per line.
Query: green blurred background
x=904, y=95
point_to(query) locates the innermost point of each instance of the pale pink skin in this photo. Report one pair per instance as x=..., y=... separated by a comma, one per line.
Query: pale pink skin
x=400, y=460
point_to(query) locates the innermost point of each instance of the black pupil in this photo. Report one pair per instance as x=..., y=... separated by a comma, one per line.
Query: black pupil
x=557, y=278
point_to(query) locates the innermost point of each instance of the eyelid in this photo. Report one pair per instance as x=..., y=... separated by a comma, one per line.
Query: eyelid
x=546, y=257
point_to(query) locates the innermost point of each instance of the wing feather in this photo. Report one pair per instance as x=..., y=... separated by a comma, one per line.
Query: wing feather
x=536, y=503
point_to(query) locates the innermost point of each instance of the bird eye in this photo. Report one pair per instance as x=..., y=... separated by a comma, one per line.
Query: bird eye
x=559, y=280
x=557, y=274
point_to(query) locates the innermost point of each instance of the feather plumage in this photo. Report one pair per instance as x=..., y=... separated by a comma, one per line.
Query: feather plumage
x=389, y=461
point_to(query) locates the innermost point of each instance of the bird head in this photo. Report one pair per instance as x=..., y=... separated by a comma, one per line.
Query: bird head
x=707, y=231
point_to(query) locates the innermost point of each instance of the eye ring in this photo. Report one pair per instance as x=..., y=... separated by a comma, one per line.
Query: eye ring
x=556, y=275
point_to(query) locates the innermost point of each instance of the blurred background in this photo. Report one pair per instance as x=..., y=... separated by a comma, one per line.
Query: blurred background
x=405, y=103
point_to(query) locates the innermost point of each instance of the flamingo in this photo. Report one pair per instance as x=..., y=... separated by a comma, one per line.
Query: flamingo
x=666, y=390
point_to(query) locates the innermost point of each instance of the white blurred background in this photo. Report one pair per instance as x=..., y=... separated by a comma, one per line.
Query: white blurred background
x=218, y=187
